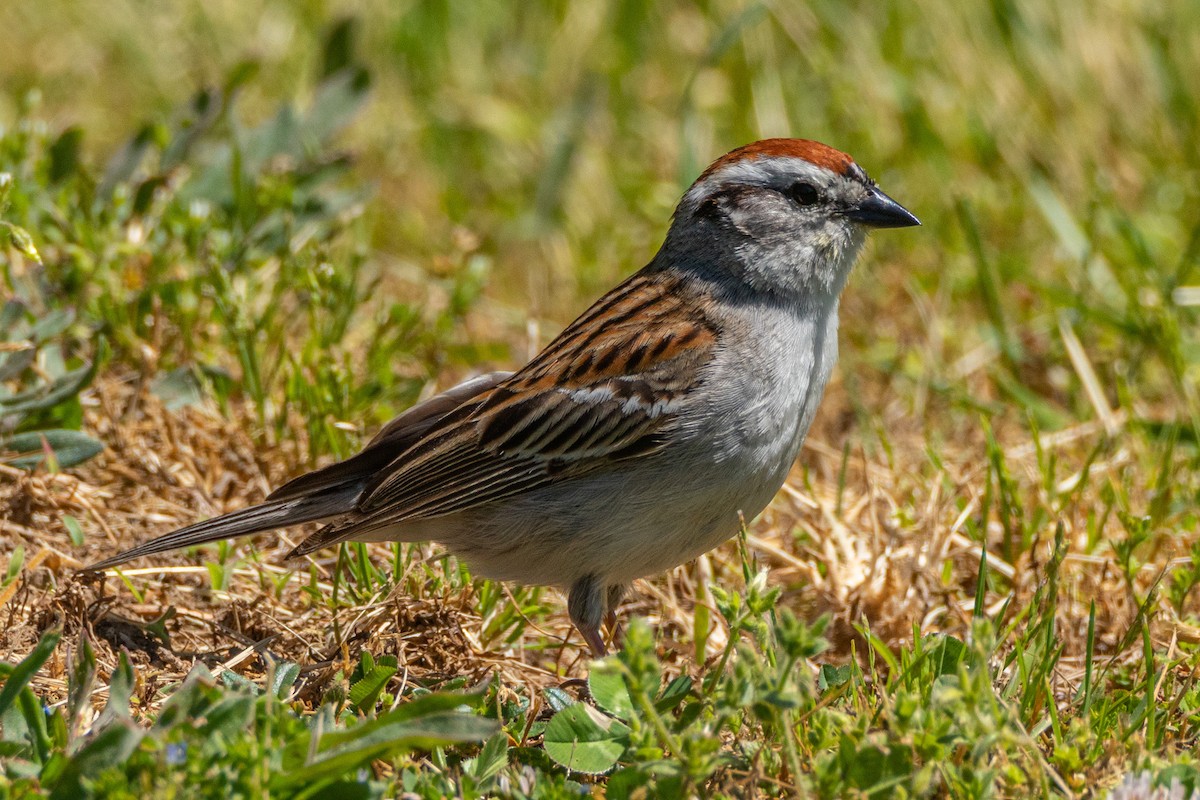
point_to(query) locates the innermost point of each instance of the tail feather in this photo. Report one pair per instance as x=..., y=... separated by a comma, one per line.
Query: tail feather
x=264, y=517
x=325, y=493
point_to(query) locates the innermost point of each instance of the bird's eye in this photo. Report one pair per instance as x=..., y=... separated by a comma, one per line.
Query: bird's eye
x=803, y=193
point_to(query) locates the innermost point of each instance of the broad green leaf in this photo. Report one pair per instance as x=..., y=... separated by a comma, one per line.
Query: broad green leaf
x=624, y=782
x=22, y=714
x=22, y=673
x=187, y=701
x=23, y=729
x=338, y=100
x=832, y=676
x=177, y=388
x=606, y=682
x=675, y=693
x=364, y=692
x=12, y=364
x=12, y=316
x=873, y=766
x=284, y=677
x=491, y=759
x=399, y=731
x=143, y=196
x=62, y=389
x=69, y=447
x=557, y=698
x=945, y=653
x=120, y=690
x=52, y=324
x=111, y=746
x=582, y=739
x=229, y=715
x=232, y=680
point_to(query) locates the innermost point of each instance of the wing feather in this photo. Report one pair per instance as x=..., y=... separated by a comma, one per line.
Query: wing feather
x=606, y=389
x=392, y=440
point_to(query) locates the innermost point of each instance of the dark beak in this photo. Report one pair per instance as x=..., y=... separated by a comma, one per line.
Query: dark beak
x=878, y=210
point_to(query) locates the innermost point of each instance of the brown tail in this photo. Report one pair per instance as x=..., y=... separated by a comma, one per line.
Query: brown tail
x=325, y=493
x=264, y=517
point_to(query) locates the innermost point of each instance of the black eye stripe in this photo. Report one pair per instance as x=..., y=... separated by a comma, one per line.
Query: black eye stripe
x=803, y=193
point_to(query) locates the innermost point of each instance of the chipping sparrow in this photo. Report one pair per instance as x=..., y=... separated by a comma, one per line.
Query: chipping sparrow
x=634, y=441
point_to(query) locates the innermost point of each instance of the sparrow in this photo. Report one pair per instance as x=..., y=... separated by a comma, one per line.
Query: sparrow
x=642, y=434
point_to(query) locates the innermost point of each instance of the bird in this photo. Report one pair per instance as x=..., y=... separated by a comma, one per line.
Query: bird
x=644, y=433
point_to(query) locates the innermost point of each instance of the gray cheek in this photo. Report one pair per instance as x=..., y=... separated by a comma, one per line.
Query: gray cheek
x=762, y=218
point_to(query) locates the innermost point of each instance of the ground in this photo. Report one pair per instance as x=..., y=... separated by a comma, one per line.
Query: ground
x=978, y=580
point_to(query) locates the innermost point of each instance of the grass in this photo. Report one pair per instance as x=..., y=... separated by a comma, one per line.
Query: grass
x=980, y=581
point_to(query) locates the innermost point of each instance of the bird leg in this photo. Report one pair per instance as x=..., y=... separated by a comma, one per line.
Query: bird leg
x=615, y=594
x=586, y=604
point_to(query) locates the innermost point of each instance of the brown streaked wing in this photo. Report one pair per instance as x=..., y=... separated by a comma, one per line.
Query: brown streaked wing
x=606, y=389
x=392, y=440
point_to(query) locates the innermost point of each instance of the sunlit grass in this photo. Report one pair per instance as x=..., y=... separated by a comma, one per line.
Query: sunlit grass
x=998, y=507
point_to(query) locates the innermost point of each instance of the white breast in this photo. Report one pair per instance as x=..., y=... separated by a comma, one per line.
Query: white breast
x=780, y=379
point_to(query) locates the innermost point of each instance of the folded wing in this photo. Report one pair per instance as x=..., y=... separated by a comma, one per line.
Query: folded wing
x=606, y=390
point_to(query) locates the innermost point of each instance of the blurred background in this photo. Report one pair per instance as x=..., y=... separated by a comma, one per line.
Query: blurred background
x=244, y=233
x=557, y=136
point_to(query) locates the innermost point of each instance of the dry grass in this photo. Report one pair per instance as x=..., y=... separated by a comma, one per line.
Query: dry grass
x=878, y=544
x=1021, y=369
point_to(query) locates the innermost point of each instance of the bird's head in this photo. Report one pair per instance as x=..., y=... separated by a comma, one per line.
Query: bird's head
x=785, y=214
